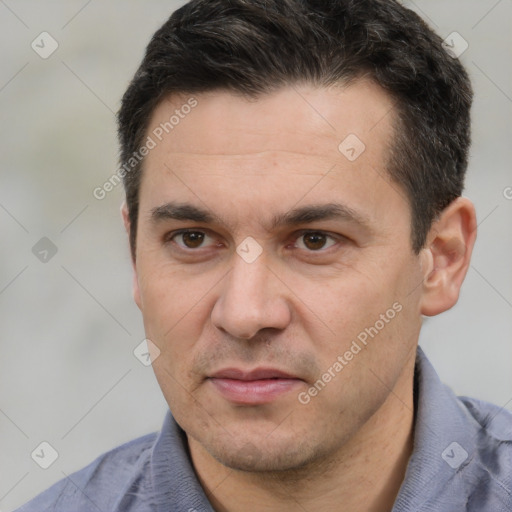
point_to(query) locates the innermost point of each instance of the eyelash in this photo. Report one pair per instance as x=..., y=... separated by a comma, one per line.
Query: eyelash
x=169, y=238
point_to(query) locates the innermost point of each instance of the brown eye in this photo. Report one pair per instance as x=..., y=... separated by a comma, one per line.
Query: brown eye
x=192, y=239
x=315, y=241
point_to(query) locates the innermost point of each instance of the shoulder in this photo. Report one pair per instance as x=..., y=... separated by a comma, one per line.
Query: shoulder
x=494, y=425
x=496, y=421
x=492, y=445
x=101, y=484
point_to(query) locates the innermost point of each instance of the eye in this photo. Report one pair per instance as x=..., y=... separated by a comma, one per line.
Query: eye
x=315, y=241
x=190, y=239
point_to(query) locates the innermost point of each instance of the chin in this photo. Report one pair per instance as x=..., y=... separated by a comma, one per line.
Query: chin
x=261, y=456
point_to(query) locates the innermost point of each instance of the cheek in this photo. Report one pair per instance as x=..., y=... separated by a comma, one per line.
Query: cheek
x=174, y=317
x=169, y=293
x=343, y=305
x=369, y=316
x=176, y=309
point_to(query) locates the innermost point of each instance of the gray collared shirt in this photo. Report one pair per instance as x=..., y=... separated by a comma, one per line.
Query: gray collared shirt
x=462, y=461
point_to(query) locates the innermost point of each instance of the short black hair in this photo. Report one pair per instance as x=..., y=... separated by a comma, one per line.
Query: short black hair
x=253, y=47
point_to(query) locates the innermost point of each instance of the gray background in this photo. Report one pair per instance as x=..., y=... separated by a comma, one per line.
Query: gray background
x=69, y=327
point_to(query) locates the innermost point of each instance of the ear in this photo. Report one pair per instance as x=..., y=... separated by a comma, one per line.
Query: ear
x=127, y=226
x=446, y=256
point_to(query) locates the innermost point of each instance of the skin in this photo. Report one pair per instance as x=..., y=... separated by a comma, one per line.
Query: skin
x=299, y=305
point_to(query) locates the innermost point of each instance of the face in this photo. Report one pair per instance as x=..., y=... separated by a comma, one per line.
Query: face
x=274, y=270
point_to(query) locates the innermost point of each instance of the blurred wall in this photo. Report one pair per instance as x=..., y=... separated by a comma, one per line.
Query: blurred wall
x=68, y=323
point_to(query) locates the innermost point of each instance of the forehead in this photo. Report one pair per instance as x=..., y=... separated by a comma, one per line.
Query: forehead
x=300, y=119
x=243, y=156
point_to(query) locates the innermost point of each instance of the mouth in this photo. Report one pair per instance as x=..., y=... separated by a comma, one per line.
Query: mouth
x=254, y=387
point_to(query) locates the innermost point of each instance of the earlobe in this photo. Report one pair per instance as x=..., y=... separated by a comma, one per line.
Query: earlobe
x=447, y=256
x=126, y=222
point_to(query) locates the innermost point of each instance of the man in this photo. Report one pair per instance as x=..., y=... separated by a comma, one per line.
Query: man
x=293, y=173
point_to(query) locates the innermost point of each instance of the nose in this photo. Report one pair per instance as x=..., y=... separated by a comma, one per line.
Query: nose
x=252, y=298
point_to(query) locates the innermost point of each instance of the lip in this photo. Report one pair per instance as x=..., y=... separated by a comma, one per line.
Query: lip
x=254, y=387
x=256, y=374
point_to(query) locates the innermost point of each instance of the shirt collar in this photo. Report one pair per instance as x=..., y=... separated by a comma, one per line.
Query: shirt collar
x=174, y=480
x=444, y=440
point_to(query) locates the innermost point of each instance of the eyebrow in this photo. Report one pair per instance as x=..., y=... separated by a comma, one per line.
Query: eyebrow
x=302, y=215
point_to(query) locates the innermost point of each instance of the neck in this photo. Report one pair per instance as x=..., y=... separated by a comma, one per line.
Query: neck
x=364, y=474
